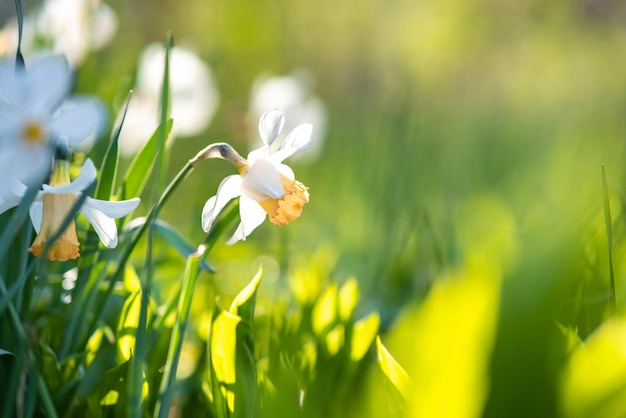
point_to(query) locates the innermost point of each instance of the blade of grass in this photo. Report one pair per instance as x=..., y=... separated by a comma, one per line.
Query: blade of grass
x=174, y=238
x=138, y=361
x=141, y=166
x=91, y=246
x=222, y=223
x=17, y=220
x=178, y=333
x=23, y=350
x=396, y=380
x=108, y=169
x=609, y=236
x=19, y=58
x=125, y=256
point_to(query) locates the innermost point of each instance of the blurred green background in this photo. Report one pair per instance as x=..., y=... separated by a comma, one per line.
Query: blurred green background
x=431, y=104
x=462, y=136
x=462, y=158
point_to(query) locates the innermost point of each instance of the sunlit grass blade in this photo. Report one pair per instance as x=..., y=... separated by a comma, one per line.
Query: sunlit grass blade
x=108, y=169
x=139, y=359
x=609, y=236
x=19, y=58
x=23, y=356
x=178, y=333
x=245, y=301
x=133, y=240
x=17, y=220
x=172, y=236
x=90, y=249
x=397, y=381
x=222, y=348
x=231, y=348
x=141, y=166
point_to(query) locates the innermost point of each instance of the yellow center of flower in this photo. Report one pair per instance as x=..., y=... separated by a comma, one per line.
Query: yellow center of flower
x=289, y=206
x=33, y=133
x=56, y=207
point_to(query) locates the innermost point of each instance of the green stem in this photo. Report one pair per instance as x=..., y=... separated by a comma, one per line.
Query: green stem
x=609, y=237
x=139, y=360
x=178, y=333
x=112, y=279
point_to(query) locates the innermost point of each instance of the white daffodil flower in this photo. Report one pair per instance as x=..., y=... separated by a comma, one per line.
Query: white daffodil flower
x=69, y=27
x=264, y=185
x=54, y=202
x=34, y=118
x=294, y=95
x=193, y=92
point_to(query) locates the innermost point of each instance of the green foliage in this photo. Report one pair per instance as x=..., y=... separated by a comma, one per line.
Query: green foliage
x=140, y=168
x=398, y=382
x=459, y=181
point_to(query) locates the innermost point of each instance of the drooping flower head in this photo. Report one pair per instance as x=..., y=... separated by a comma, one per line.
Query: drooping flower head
x=54, y=203
x=34, y=117
x=265, y=186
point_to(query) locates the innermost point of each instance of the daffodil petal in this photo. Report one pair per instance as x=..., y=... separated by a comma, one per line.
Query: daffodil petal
x=101, y=215
x=8, y=86
x=207, y=213
x=299, y=139
x=11, y=195
x=113, y=209
x=78, y=120
x=30, y=165
x=263, y=152
x=286, y=171
x=104, y=226
x=270, y=125
x=252, y=215
x=36, y=214
x=47, y=82
x=228, y=189
x=84, y=179
x=262, y=181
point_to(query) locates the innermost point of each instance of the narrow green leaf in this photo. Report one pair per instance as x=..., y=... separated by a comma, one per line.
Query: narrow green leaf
x=17, y=220
x=348, y=299
x=325, y=311
x=593, y=378
x=108, y=169
x=141, y=166
x=121, y=261
x=222, y=357
x=244, y=303
x=19, y=58
x=172, y=236
x=397, y=382
x=127, y=326
x=233, y=367
x=178, y=333
x=363, y=335
x=609, y=236
x=138, y=363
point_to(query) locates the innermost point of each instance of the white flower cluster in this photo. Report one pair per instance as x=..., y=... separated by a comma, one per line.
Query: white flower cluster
x=35, y=121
